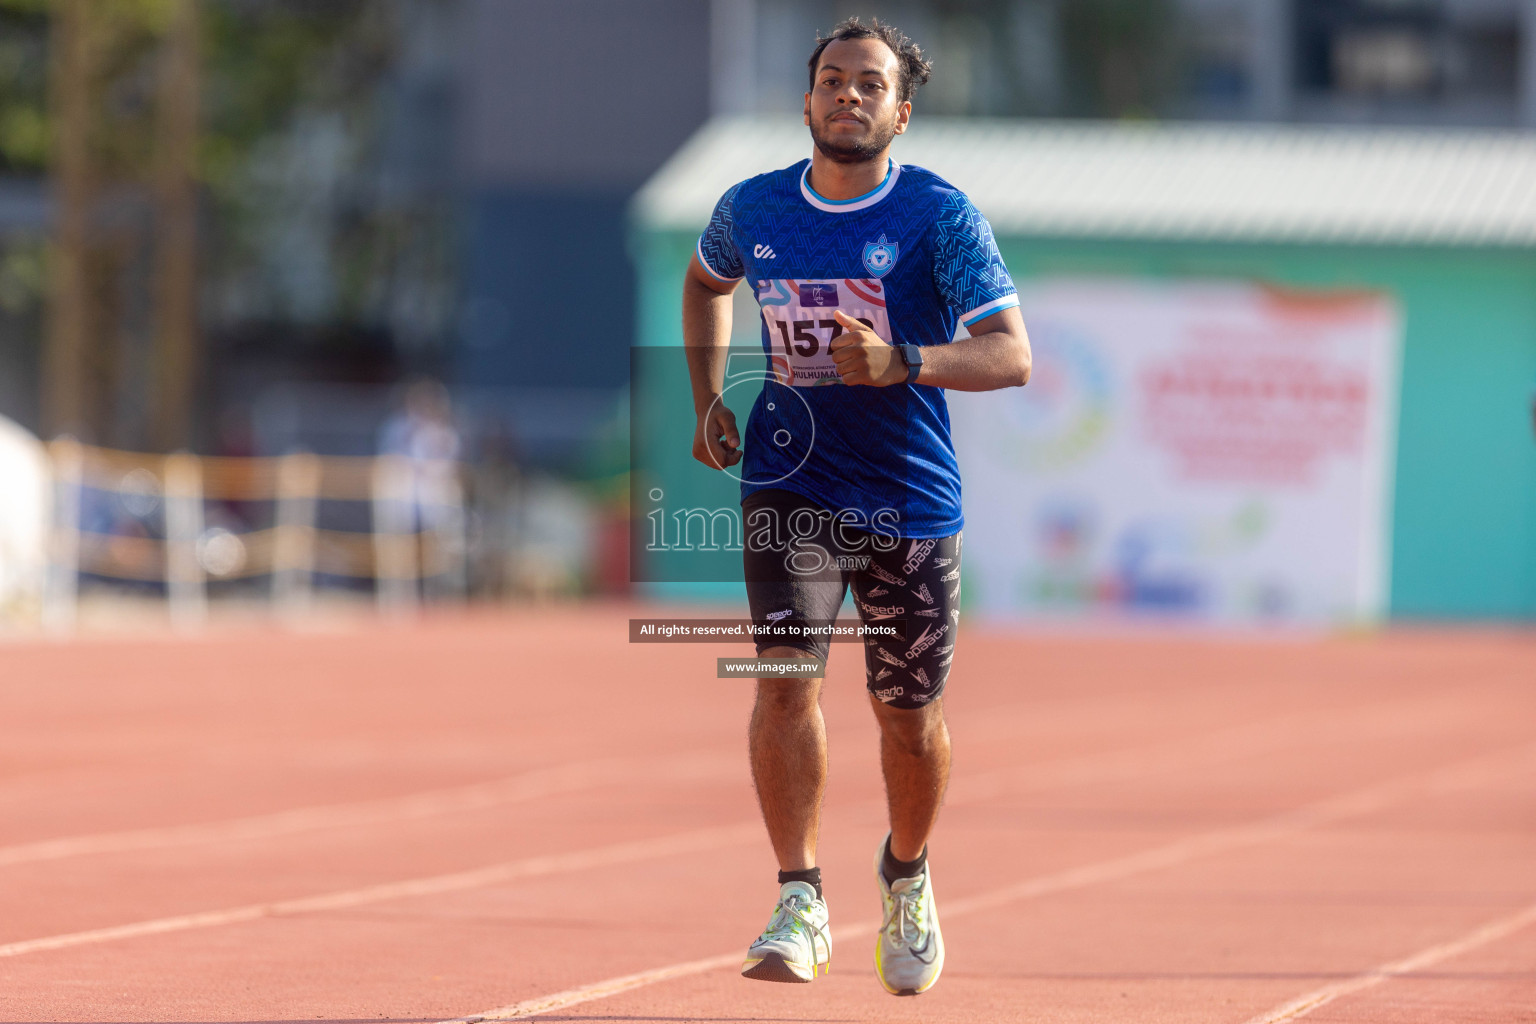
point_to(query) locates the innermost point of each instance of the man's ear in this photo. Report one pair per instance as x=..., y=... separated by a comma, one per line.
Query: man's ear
x=807, y=108
x=903, y=115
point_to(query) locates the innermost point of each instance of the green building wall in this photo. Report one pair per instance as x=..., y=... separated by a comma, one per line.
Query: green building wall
x=1464, y=507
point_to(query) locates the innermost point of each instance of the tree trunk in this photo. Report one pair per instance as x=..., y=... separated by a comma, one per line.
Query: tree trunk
x=176, y=363
x=71, y=299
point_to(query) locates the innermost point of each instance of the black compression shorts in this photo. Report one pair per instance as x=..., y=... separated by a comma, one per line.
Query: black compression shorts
x=799, y=561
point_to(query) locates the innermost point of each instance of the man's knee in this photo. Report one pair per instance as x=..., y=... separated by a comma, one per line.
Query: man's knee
x=787, y=696
x=918, y=732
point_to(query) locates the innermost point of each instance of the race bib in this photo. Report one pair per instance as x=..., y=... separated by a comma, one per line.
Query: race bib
x=800, y=324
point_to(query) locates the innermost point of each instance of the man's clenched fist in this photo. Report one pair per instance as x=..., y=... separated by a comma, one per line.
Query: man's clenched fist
x=715, y=440
x=863, y=357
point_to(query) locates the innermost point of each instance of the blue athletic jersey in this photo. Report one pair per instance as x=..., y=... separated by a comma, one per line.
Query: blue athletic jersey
x=910, y=259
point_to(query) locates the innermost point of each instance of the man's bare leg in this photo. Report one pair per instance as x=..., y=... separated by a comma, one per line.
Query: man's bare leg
x=788, y=745
x=914, y=754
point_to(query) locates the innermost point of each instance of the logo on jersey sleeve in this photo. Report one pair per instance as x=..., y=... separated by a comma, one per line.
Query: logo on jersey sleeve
x=880, y=257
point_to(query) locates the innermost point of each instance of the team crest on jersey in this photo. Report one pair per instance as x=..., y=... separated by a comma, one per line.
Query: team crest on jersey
x=880, y=257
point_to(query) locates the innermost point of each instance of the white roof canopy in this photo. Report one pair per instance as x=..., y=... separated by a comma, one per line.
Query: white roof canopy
x=1177, y=182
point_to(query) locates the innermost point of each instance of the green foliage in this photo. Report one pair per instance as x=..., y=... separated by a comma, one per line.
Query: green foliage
x=23, y=72
x=21, y=276
x=1120, y=55
x=261, y=61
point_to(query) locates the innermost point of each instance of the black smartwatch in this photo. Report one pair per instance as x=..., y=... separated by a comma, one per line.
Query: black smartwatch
x=912, y=355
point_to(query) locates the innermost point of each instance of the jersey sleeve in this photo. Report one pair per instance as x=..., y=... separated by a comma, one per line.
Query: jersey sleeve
x=717, y=249
x=967, y=266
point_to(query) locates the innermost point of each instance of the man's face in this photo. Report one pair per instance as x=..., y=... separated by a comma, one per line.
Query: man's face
x=854, y=108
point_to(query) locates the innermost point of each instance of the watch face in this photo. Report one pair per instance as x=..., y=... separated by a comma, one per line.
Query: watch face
x=913, y=357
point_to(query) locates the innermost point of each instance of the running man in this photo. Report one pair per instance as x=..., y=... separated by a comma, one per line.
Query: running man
x=862, y=268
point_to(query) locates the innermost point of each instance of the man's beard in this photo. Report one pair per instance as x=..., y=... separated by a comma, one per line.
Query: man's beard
x=854, y=151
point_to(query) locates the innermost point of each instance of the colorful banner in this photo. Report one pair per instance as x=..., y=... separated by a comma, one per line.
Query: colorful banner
x=1204, y=451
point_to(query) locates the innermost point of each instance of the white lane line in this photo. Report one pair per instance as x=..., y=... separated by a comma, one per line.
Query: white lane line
x=529, y=786
x=579, y=860
x=640, y=979
x=603, y=989
x=1368, y=720
x=560, y=779
x=1360, y=802
x=1490, y=932
x=521, y=788
x=1466, y=774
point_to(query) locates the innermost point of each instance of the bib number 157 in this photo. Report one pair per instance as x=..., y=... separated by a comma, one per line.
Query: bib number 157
x=798, y=317
x=798, y=340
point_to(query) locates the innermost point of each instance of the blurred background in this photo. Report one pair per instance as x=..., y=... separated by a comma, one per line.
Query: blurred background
x=368, y=300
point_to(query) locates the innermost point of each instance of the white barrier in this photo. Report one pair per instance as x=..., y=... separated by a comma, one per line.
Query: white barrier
x=294, y=533
x=25, y=480
x=103, y=499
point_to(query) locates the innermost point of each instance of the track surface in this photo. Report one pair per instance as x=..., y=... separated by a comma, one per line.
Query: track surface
x=508, y=812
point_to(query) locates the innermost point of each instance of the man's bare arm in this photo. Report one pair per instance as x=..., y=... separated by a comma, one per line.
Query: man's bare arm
x=706, y=340
x=996, y=355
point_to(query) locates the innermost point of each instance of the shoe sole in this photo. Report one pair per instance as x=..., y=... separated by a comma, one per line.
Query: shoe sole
x=909, y=991
x=773, y=967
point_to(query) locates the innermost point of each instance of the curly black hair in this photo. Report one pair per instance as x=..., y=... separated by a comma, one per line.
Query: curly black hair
x=915, y=68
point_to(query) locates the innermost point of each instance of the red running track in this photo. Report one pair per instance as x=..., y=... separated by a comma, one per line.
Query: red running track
x=522, y=813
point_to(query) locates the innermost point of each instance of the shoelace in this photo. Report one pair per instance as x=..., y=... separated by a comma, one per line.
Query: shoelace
x=904, y=914
x=791, y=907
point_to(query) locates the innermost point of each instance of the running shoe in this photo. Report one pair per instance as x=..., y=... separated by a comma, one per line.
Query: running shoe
x=796, y=942
x=909, y=952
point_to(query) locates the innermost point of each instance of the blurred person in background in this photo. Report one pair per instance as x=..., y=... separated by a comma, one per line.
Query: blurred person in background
x=423, y=433
x=496, y=495
x=423, y=437
x=863, y=269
